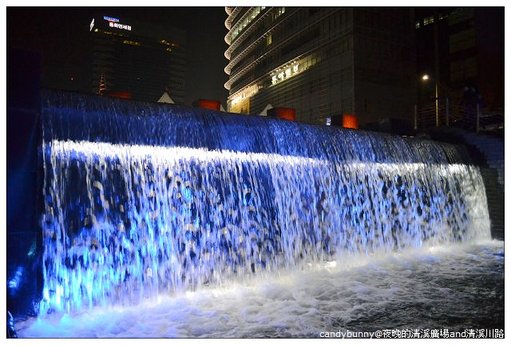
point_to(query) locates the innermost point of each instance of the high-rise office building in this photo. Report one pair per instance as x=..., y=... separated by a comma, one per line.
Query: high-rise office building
x=137, y=60
x=322, y=62
x=432, y=44
x=476, y=54
x=462, y=49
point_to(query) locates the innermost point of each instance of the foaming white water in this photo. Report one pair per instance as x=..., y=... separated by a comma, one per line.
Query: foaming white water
x=455, y=286
x=123, y=223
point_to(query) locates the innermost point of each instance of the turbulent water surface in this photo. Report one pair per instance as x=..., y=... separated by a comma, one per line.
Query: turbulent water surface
x=443, y=287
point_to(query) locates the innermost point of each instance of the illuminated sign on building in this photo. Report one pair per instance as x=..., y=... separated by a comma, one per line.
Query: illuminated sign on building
x=91, y=24
x=111, y=19
x=114, y=23
x=119, y=26
x=282, y=74
x=292, y=69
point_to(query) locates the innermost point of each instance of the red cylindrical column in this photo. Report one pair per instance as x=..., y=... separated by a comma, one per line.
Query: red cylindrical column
x=119, y=94
x=209, y=104
x=283, y=113
x=349, y=121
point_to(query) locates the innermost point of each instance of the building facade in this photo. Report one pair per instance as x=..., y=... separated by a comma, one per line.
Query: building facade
x=138, y=60
x=432, y=44
x=323, y=62
x=462, y=49
x=476, y=55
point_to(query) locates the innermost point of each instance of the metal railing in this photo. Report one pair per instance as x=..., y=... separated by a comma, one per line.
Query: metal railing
x=452, y=112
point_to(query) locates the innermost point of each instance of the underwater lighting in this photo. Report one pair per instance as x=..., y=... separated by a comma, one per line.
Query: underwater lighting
x=14, y=283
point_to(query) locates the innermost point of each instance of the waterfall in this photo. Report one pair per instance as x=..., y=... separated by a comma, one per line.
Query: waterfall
x=147, y=199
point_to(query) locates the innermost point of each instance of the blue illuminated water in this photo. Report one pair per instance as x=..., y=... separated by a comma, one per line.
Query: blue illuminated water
x=141, y=201
x=456, y=287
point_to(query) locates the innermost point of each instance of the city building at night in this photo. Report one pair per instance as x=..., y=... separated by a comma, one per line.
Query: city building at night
x=476, y=54
x=322, y=62
x=131, y=215
x=137, y=60
x=432, y=44
x=461, y=49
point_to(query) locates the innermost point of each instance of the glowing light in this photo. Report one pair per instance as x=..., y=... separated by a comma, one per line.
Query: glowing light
x=135, y=43
x=164, y=243
x=14, y=283
x=120, y=26
x=285, y=72
x=241, y=25
x=111, y=19
x=243, y=94
x=425, y=77
x=32, y=250
x=124, y=223
x=349, y=121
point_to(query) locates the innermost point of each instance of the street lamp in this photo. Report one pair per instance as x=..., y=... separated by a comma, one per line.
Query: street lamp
x=425, y=77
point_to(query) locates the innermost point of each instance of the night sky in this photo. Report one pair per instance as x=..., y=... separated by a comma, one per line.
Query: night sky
x=60, y=35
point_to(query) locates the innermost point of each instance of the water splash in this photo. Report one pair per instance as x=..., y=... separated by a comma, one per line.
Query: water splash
x=128, y=221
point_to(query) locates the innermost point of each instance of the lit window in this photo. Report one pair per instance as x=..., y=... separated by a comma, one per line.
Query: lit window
x=268, y=40
x=247, y=92
x=428, y=20
x=250, y=16
x=132, y=43
x=417, y=25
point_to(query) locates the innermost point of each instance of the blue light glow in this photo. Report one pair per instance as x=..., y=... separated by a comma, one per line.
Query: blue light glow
x=14, y=282
x=124, y=223
x=111, y=19
x=142, y=200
